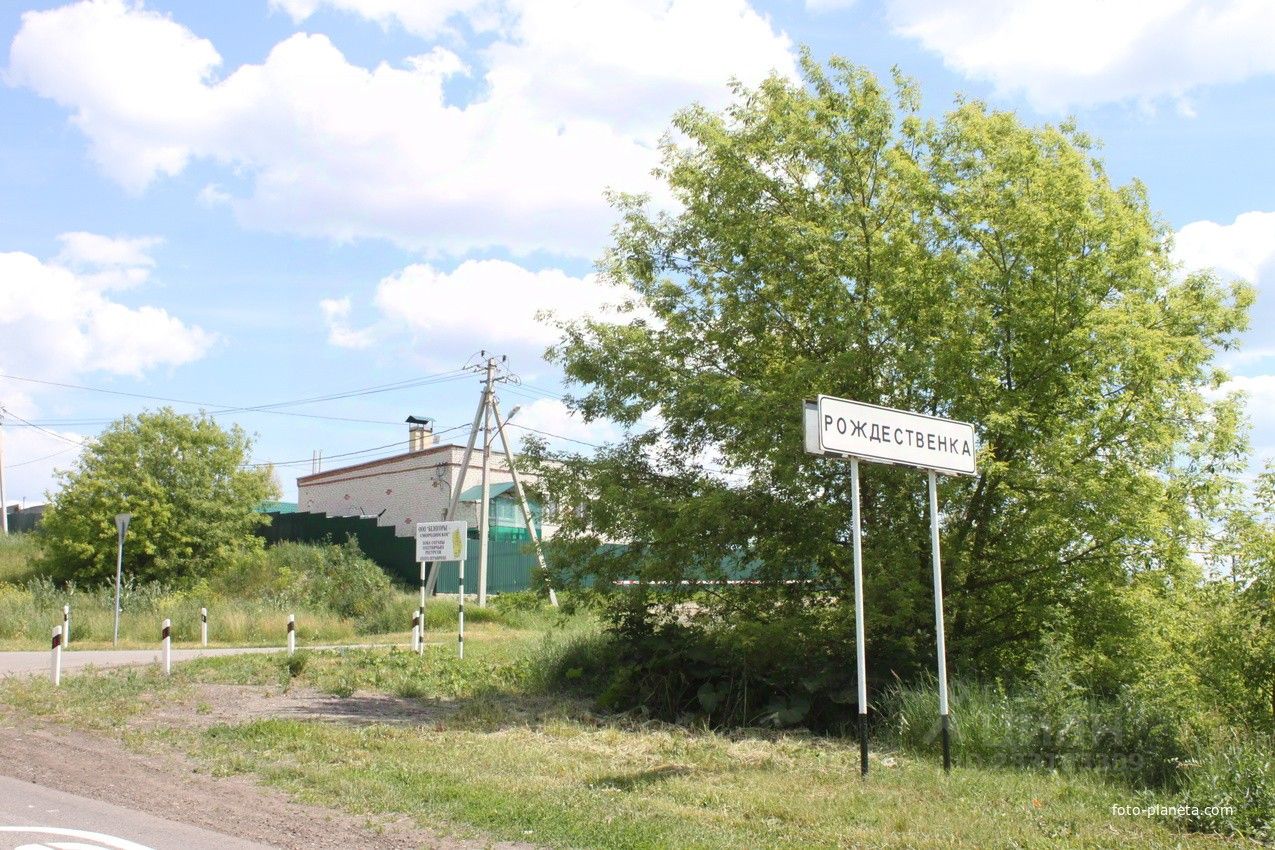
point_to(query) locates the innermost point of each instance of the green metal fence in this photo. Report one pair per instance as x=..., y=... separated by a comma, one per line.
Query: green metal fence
x=509, y=562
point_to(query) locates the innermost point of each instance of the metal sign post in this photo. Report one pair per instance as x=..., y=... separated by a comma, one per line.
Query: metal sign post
x=837, y=427
x=938, y=620
x=861, y=650
x=446, y=541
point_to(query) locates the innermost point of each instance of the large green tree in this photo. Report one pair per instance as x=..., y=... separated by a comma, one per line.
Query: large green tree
x=184, y=480
x=829, y=238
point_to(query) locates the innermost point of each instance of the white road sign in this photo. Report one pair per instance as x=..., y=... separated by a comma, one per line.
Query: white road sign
x=887, y=435
x=441, y=541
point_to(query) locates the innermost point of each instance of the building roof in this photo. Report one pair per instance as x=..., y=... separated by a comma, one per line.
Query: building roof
x=473, y=494
x=318, y=477
x=272, y=507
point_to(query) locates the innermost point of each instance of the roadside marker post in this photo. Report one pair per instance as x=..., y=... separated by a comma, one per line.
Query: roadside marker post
x=203, y=626
x=837, y=427
x=292, y=634
x=445, y=541
x=66, y=626
x=166, y=641
x=57, y=656
x=416, y=630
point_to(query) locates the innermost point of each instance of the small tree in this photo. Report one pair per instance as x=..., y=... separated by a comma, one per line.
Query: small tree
x=184, y=480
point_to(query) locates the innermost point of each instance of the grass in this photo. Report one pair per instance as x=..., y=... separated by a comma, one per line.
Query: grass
x=505, y=757
x=511, y=762
x=30, y=607
x=571, y=783
x=17, y=554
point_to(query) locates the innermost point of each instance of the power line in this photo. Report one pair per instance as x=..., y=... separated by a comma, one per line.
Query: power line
x=4, y=411
x=270, y=407
x=308, y=460
x=38, y=459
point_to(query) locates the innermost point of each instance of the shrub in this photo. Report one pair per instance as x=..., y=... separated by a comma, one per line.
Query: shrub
x=787, y=671
x=335, y=578
x=1232, y=771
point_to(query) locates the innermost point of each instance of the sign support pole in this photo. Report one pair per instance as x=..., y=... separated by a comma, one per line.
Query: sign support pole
x=938, y=622
x=861, y=652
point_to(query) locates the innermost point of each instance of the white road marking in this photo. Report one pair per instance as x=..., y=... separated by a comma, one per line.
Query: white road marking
x=102, y=841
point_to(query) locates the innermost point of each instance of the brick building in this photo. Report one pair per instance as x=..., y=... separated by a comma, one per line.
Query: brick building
x=417, y=486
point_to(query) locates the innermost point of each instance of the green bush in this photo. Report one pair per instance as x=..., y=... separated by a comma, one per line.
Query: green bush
x=795, y=669
x=335, y=578
x=1233, y=771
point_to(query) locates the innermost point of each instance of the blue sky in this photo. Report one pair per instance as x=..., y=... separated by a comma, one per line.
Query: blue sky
x=258, y=201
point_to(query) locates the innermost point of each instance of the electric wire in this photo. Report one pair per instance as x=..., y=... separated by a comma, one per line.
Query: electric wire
x=270, y=407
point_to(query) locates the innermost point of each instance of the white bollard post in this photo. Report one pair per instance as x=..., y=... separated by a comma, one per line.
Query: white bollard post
x=421, y=646
x=203, y=626
x=460, y=612
x=57, y=656
x=292, y=634
x=165, y=637
x=66, y=625
x=416, y=630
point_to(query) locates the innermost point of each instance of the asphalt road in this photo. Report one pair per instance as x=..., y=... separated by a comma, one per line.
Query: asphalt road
x=39, y=661
x=33, y=817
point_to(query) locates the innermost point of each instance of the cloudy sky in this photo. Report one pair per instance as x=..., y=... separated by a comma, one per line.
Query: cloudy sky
x=239, y=204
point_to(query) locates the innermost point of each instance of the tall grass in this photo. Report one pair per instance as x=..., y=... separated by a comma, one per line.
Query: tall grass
x=17, y=558
x=337, y=595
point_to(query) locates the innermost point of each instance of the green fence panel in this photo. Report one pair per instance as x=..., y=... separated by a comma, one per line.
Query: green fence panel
x=396, y=555
x=509, y=562
x=509, y=568
x=23, y=523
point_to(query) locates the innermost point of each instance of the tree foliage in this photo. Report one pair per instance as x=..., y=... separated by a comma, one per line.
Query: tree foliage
x=183, y=479
x=829, y=238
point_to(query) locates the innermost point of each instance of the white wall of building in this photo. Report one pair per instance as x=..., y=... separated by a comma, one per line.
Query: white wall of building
x=404, y=490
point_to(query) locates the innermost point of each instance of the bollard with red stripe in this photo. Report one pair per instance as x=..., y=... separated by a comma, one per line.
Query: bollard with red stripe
x=166, y=638
x=292, y=634
x=57, y=656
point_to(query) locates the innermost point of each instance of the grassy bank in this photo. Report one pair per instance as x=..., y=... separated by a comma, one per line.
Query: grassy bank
x=507, y=758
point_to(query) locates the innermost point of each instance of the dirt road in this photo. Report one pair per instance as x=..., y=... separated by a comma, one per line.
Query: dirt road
x=38, y=661
x=166, y=783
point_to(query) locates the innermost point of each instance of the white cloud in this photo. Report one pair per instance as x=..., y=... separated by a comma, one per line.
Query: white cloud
x=820, y=6
x=336, y=314
x=92, y=249
x=424, y=19
x=1094, y=51
x=553, y=418
x=571, y=101
x=489, y=300
x=57, y=321
x=103, y=263
x=1244, y=248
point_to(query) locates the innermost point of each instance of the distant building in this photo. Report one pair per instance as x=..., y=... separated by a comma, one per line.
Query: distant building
x=22, y=519
x=417, y=486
